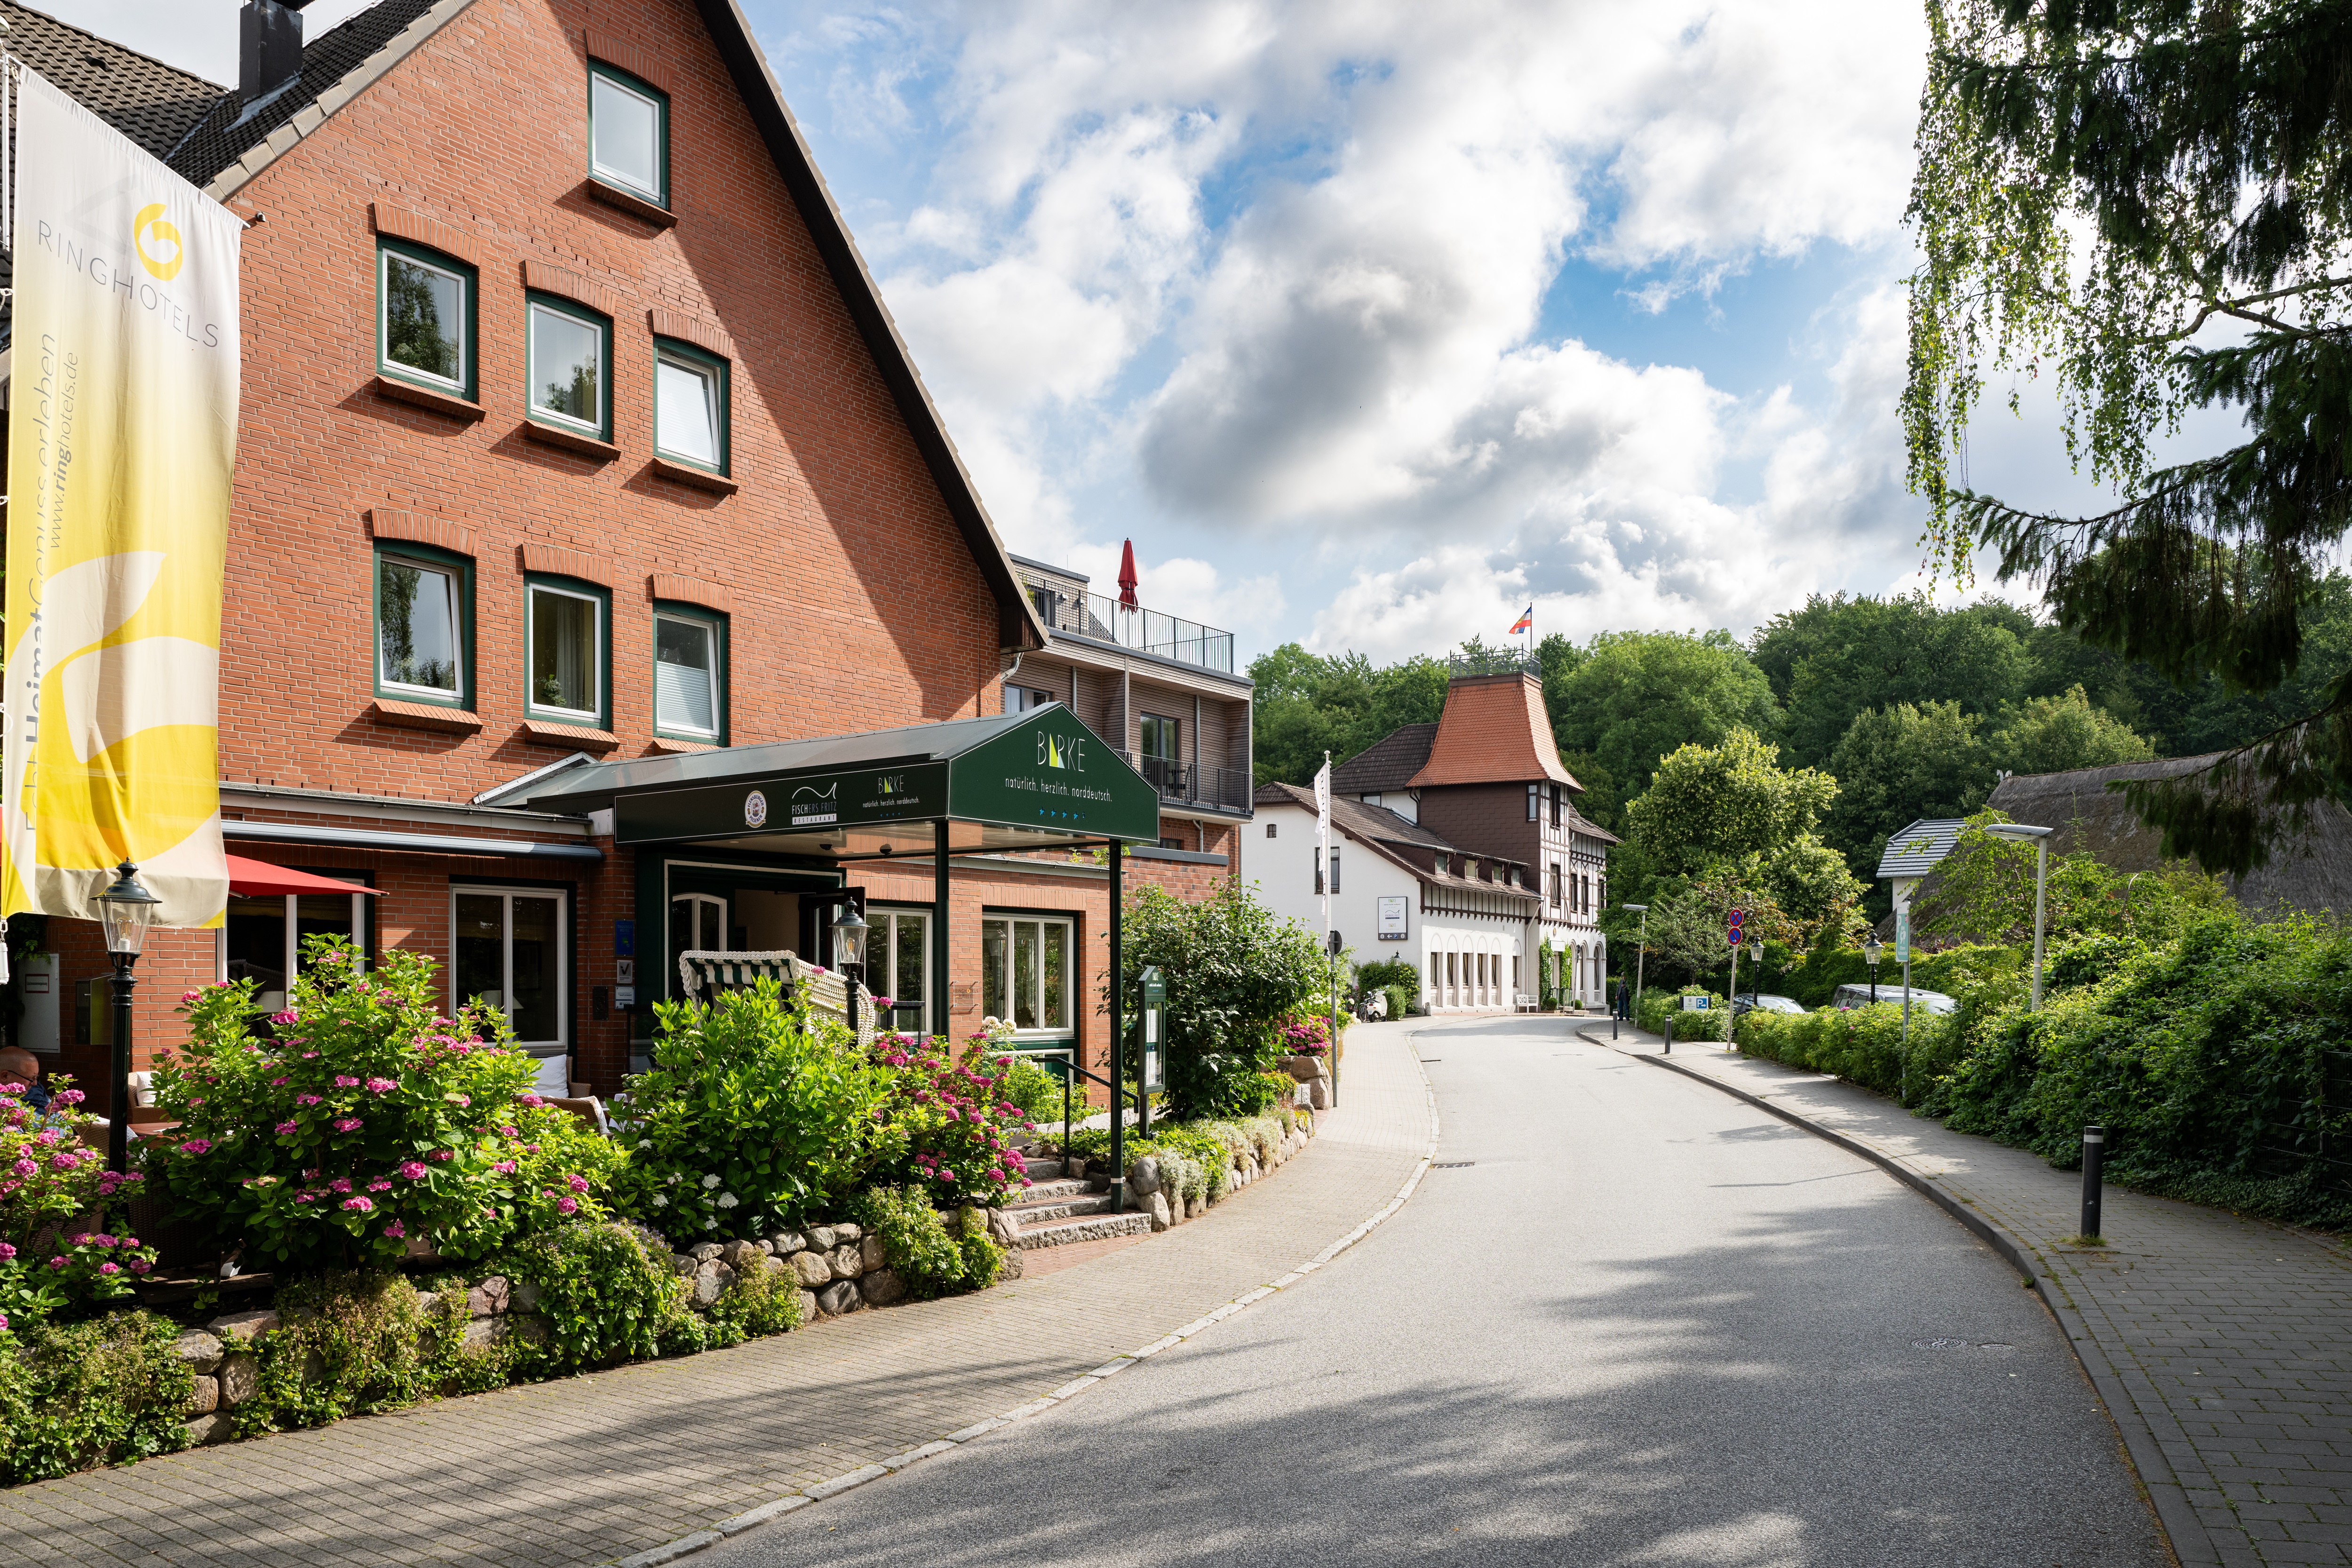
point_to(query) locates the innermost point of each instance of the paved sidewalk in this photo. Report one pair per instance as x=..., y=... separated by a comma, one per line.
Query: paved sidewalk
x=596, y=1468
x=2222, y=1345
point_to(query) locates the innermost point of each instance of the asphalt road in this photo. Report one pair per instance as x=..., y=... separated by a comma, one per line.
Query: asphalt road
x=1649, y=1325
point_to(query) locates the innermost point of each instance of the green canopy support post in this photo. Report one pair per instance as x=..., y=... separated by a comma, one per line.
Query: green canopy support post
x=1117, y=1073
x=940, y=1015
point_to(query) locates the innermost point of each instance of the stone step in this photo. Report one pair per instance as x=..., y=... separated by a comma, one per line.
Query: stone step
x=1097, y=1227
x=1029, y=1215
x=1049, y=1193
x=1042, y=1170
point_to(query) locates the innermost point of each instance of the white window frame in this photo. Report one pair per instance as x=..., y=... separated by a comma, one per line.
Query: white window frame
x=391, y=366
x=1069, y=969
x=593, y=715
x=456, y=626
x=661, y=112
x=709, y=631
x=715, y=382
x=884, y=918
x=560, y=1045
x=594, y=428
x=726, y=929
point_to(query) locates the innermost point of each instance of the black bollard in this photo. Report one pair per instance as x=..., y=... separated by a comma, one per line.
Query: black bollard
x=1670, y=1037
x=2095, y=1148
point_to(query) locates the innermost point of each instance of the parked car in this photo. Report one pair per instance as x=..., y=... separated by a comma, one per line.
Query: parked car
x=1768, y=1003
x=1859, y=996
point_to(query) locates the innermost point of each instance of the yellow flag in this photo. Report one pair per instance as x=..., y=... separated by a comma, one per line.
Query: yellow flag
x=123, y=438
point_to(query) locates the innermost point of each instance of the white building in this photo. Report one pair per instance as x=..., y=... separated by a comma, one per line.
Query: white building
x=1467, y=922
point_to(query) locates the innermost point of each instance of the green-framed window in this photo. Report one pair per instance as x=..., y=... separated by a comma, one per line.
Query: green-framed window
x=690, y=674
x=424, y=625
x=568, y=651
x=628, y=132
x=569, y=357
x=691, y=415
x=424, y=316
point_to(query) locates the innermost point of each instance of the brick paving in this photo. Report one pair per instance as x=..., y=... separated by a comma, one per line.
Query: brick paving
x=593, y=1468
x=2223, y=1345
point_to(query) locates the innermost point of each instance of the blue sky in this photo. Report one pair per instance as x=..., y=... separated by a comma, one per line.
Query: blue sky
x=1372, y=323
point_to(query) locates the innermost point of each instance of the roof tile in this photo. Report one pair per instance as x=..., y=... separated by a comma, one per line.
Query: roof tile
x=1494, y=731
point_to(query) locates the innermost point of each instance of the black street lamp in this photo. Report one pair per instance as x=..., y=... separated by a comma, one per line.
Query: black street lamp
x=849, y=956
x=1872, y=951
x=126, y=909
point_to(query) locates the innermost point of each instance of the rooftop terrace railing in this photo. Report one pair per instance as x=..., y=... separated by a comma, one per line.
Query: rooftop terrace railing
x=1098, y=617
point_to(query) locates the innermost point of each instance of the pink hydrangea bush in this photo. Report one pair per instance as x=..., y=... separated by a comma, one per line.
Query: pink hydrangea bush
x=1304, y=1035
x=369, y=1124
x=949, y=1126
x=63, y=1244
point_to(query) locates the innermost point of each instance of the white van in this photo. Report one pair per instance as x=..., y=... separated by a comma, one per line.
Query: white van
x=1859, y=996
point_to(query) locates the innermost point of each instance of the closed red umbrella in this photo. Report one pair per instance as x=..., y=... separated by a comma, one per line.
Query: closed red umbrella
x=1126, y=599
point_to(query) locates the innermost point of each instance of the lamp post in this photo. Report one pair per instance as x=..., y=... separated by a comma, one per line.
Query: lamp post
x=126, y=909
x=1640, y=955
x=2041, y=835
x=1872, y=950
x=849, y=953
x=1756, y=986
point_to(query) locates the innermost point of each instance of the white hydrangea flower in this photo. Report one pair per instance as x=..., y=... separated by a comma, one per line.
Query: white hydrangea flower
x=709, y=1224
x=644, y=1143
x=726, y=1200
x=673, y=1178
x=710, y=1182
x=660, y=1202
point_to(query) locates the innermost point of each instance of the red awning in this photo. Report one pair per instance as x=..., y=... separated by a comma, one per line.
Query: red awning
x=259, y=879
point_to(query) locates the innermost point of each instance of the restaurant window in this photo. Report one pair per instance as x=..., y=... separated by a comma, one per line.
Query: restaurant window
x=691, y=675
x=263, y=935
x=568, y=350
x=1025, y=966
x=899, y=964
x=691, y=405
x=565, y=634
x=424, y=317
x=507, y=951
x=628, y=132
x=423, y=622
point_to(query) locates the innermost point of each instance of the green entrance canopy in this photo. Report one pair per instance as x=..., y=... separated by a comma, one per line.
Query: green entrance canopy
x=1017, y=781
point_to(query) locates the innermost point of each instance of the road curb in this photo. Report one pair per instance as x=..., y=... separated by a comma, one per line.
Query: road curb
x=686, y=1545
x=2185, y=1533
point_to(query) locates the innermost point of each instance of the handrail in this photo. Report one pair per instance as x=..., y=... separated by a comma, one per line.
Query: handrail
x=1066, y=1057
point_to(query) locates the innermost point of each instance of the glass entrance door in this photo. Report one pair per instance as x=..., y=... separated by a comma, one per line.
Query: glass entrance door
x=698, y=924
x=508, y=951
x=898, y=962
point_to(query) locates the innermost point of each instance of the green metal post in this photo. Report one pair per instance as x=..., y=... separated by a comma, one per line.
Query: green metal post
x=1117, y=1074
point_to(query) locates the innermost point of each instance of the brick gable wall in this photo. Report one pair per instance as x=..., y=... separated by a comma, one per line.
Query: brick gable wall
x=856, y=601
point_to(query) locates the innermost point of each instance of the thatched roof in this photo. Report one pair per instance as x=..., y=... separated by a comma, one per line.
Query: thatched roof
x=2311, y=871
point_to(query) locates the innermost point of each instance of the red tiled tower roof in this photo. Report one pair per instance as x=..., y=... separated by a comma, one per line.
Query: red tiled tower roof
x=1494, y=731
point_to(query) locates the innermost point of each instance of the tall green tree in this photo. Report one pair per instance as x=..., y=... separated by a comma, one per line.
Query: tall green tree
x=2052, y=735
x=1307, y=704
x=2147, y=205
x=1731, y=815
x=1899, y=765
x=1634, y=697
x=1839, y=657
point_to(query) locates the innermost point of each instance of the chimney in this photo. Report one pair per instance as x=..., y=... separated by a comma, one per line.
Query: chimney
x=269, y=46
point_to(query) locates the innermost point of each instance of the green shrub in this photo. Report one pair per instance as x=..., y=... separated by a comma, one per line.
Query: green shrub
x=933, y=1255
x=49, y=1179
x=1236, y=973
x=755, y=1116
x=1657, y=1007
x=365, y=1120
x=1037, y=1091
x=760, y=1301
x=606, y=1294
x=354, y=1343
x=946, y=1126
x=108, y=1390
x=1403, y=999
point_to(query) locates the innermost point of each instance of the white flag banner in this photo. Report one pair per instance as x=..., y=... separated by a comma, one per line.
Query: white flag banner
x=1323, y=837
x=121, y=440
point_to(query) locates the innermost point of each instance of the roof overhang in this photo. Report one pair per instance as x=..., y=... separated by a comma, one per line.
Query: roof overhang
x=1037, y=780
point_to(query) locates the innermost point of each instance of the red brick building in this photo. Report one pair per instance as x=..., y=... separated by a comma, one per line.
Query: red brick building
x=574, y=431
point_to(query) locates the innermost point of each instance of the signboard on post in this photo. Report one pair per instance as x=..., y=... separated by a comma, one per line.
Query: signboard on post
x=1154, y=991
x=1395, y=911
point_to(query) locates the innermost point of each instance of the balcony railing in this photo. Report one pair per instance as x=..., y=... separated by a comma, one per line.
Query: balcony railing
x=1182, y=784
x=1493, y=661
x=1098, y=616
